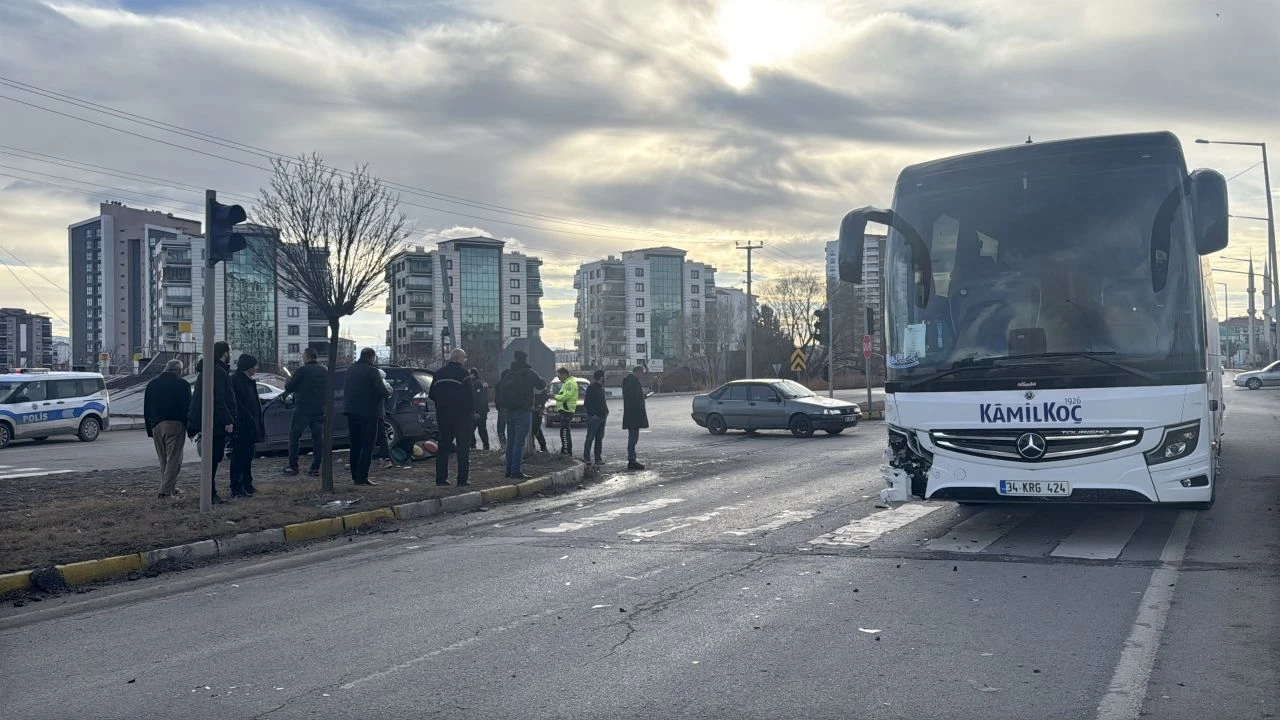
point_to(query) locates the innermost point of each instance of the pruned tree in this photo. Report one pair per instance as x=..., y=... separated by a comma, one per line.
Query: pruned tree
x=338, y=230
x=771, y=344
x=794, y=297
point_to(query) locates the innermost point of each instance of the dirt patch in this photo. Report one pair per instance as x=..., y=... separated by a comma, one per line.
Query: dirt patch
x=57, y=519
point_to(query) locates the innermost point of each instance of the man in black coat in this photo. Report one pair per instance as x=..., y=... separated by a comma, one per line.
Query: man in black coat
x=454, y=398
x=597, y=409
x=480, y=405
x=515, y=400
x=364, y=397
x=634, y=415
x=165, y=407
x=224, y=406
x=250, y=427
x=307, y=386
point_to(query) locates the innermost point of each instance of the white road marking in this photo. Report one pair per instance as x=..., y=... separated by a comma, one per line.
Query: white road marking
x=864, y=531
x=781, y=520
x=1128, y=688
x=9, y=472
x=1101, y=537
x=672, y=524
x=976, y=533
x=593, y=520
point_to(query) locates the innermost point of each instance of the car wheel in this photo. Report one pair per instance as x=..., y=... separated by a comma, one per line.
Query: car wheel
x=801, y=426
x=6, y=435
x=1254, y=384
x=835, y=431
x=716, y=424
x=90, y=429
x=392, y=431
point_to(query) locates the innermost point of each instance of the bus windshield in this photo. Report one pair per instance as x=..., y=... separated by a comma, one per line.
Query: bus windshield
x=1067, y=271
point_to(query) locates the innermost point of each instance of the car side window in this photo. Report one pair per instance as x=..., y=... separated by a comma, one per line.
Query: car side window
x=762, y=393
x=737, y=392
x=63, y=389
x=31, y=392
x=89, y=386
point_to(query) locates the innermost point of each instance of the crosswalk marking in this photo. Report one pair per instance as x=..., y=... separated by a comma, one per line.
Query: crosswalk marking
x=781, y=520
x=864, y=531
x=1101, y=536
x=10, y=472
x=663, y=527
x=978, y=532
x=593, y=520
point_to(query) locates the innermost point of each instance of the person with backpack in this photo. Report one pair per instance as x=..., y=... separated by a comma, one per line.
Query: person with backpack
x=515, y=399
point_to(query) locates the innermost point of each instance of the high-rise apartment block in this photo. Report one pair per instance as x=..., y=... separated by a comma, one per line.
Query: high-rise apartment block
x=26, y=339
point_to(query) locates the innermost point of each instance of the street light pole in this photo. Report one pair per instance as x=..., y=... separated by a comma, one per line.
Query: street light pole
x=1271, y=266
x=1226, y=312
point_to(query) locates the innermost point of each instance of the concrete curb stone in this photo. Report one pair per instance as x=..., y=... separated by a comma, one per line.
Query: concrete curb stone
x=458, y=503
x=420, y=509
x=248, y=541
x=87, y=571
x=499, y=494
x=200, y=550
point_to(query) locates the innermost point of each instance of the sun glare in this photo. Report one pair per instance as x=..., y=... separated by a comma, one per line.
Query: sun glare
x=763, y=33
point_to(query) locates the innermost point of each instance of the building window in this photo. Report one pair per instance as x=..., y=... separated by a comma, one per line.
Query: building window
x=694, y=274
x=639, y=317
x=292, y=312
x=515, y=316
x=448, y=263
x=694, y=289
x=515, y=332
x=695, y=304
x=515, y=299
x=639, y=302
x=639, y=332
x=639, y=287
x=639, y=272
x=294, y=330
x=642, y=348
x=515, y=267
x=515, y=283
x=295, y=348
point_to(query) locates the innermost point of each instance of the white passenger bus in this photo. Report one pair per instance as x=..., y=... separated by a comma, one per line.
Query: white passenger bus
x=1050, y=332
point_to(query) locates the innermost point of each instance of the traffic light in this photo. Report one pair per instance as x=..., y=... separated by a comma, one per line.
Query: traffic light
x=223, y=240
x=871, y=322
x=820, y=325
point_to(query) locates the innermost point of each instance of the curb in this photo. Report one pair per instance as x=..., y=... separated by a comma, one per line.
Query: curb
x=88, y=571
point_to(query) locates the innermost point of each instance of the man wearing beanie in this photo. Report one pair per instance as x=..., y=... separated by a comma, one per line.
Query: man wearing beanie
x=249, y=426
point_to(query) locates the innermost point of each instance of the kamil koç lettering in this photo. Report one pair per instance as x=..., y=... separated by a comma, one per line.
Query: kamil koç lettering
x=1030, y=412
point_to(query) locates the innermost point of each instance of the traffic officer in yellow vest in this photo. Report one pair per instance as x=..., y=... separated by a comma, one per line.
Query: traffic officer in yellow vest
x=566, y=404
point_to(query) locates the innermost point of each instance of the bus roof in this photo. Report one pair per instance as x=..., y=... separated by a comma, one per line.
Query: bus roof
x=1164, y=140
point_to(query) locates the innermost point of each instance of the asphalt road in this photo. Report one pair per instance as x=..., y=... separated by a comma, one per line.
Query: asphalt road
x=737, y=578
x=672, y=429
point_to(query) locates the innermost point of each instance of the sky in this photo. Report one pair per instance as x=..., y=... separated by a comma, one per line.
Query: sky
x=578, y=128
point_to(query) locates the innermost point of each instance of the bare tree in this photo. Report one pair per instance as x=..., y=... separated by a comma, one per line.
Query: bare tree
x=794, y=297
x=338, y=231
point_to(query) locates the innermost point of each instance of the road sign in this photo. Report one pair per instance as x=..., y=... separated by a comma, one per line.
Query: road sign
x=104, y=357
x=798, y=360
x=777, y=368
x=866, y=346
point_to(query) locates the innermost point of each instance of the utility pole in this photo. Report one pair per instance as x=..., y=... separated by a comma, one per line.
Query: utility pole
x=751, y=301
x=208, y=369
x=1251, y=310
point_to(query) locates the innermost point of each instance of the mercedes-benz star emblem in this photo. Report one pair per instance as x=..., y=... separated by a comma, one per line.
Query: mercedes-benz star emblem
x=1029, y=395
x=1031, y=445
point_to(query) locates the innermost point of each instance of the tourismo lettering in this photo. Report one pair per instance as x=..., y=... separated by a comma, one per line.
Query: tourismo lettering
x=990, y=413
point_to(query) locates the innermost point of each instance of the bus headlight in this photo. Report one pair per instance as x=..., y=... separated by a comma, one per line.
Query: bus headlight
x=1178, y=442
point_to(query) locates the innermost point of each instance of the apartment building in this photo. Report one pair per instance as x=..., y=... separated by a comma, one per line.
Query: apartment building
x=26, y=339
x=643, y=307
x=470, y=292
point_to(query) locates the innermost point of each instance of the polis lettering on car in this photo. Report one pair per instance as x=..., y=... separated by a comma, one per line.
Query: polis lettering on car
x=991, y=413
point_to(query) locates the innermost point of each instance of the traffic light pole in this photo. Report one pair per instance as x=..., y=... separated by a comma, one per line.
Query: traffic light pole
x=208, y=369
x=831, y=349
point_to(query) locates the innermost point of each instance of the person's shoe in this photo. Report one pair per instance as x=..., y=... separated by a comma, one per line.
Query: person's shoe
x=365, y=482
x=289, y=471
x=633, y=465
x=238, y=494
x=464, y=483
x=586, y=460
x=599, y=461
x=162, y=495
x=177, y=491
x=313, y=472
x=250, y=490
x=217, y=499
x=387, y=465
x=442, y=483
x=520, y=476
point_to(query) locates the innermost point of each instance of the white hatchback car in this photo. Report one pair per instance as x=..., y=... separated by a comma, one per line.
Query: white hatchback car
x=37, y=404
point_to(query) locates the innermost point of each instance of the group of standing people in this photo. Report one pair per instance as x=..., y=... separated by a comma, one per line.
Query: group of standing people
x=173, y=412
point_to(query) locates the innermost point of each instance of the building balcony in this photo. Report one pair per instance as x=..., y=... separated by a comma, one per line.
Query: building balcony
x=535, y=288
x=421, y=301
x=535, y=318
x=423, y=284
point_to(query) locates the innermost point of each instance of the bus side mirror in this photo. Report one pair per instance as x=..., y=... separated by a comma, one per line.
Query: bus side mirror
x=853, y=231
x=1209, y=210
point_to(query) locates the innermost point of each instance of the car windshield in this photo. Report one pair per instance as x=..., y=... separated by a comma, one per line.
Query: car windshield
x=792, y=389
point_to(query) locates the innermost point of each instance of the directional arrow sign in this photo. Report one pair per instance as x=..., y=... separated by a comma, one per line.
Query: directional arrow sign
x=797, y=360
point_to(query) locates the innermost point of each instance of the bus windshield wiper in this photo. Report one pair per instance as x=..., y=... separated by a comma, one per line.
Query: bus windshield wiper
x=1094, y=356
x=965, y=365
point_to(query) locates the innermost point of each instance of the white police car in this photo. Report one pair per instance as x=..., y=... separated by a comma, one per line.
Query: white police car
x=36, y=404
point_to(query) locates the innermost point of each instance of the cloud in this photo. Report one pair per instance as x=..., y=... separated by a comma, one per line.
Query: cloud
x=669, y=122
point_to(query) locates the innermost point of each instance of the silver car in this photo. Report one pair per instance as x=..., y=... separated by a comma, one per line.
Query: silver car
x=1255, y=379
x=753, y=405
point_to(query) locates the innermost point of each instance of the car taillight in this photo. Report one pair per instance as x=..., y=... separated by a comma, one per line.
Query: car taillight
x=419, y=401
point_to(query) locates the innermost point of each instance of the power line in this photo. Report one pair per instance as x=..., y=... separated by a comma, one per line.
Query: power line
x=1233, y=177
x=103, y=170
x=82, y=191
x=108, y=187
x=37, y=272
x=33, y=294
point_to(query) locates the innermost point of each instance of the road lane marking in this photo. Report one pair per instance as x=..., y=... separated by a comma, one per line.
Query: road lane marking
x=9, y=472
x=781, y=520
x=1100, y=537
x=1128, y=689
x=866, y=530
x=663, y=527
x=593, y=520
x=978, y=532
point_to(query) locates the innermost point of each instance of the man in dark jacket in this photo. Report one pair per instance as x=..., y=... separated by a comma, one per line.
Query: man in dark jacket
x=307, y=386
x=454, y=398
x=364, y=396
x=224, y=406
x=480, y=408
x=597, y=409
x=515, y=399
x=250, y=428
x=165, y=406
x=634, y=415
